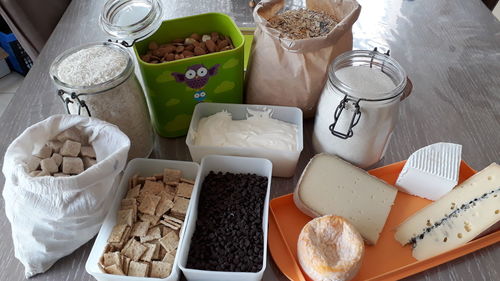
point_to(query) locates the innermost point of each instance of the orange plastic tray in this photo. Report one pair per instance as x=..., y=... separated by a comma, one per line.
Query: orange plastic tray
x=387, y=260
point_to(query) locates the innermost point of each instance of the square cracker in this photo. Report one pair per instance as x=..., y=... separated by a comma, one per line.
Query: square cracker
x=133, y=192
x=125, y=264
x=126, y=217
x=169, y=257
x=139, y=269
x=117, y=233
x=128, y=203
x=150, y=252
x=153, y=233
x=119, y=245
x=152, y=187
x=184, y=190
x=170, y=241
x=111, y=258
x=114, y=269
x=140, y=228
x=180, y=208
x=171, y=175
x=148, y=204
x=134, y=250
x=164, y=205
x=153, y=220
x=160, y=269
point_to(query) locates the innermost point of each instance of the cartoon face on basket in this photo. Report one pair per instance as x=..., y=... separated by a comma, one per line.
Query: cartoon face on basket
x=199, y=96
x=196, y=76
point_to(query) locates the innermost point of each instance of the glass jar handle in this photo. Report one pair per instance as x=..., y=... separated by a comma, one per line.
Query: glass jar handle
x=74, y=96
x=354, y=120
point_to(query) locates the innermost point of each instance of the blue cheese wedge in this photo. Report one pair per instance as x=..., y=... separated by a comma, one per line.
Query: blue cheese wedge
x=331, y=186
x=458, y=217
x=431, y=171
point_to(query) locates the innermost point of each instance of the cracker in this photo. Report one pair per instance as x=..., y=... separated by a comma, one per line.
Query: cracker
x=180, y=207
x=153, y=220
x=134, y=250
x=111, y=258
x=125, y=217
x=171, y=175
x=140, y=228
x=117, y=233
x=170, y=241
x=148, y=255
x=165, y=230
x=125, y=264
x=164, y=205
x=135, y=179
x=152, y=187
x=160, y=269
x=148, y=204
x=152, y=234
x=158, y=177
x=171, y=225
x=119, y=245
x=139, y=269
x=171, y=189
x=169, y=257
x=114, y=269
x=133, y=192
x=187, y=181
x=184, y=190
x=156, y=254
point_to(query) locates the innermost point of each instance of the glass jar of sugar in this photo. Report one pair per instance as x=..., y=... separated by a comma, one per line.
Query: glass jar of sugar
x=98, y=80
x=358, y=108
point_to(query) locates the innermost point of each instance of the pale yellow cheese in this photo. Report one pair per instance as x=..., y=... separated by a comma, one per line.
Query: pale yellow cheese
x=329, y=185
x=455, y=219
x=330, y=249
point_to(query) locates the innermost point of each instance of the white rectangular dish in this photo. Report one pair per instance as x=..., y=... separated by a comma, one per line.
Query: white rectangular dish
x=284, y=162
x=216, y=163
x=144, y=167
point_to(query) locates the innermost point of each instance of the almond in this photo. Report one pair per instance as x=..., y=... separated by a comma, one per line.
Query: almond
x=199, y=51
x=210, y=46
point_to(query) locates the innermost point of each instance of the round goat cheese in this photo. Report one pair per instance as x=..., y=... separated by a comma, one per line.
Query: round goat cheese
x=330, y=249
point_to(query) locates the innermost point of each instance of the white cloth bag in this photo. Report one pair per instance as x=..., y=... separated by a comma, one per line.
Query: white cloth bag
x=53, y=216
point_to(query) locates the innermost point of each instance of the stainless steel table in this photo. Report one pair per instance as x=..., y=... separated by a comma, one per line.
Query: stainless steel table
x=450, y=49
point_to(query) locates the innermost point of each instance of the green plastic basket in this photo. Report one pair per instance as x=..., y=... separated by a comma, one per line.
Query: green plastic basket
x=171, y=94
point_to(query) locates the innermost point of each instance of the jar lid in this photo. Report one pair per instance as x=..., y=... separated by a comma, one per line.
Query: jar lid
x=367, y=75
x=131, y=19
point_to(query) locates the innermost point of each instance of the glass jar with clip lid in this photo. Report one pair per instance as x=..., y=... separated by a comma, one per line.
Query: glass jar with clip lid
x=358, y=108
x=98, y=79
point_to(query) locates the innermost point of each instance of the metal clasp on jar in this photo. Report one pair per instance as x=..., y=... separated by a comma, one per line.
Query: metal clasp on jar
x=354, y=119
x=71, y=99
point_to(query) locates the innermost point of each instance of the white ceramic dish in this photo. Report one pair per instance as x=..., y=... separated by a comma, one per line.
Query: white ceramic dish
x=144, y=167
x=284, y=162
x=216, y=163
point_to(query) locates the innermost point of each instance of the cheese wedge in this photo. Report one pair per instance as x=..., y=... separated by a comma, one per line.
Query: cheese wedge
x=332, y=186
x=458, y=217
x=431, y=171
x=330, y=249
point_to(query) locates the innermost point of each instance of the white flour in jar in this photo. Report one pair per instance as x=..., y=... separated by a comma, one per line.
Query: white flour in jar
x=123, y=105
x=259, y=130
x=92, y=66
x=374, y=129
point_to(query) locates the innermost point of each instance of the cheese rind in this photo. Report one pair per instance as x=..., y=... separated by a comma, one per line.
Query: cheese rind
x=331, y=186
x=329, y=248
x=455, y=219
x=431, y=171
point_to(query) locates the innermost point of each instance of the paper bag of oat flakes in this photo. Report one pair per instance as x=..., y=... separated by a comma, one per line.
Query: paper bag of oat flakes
x=292, y=72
